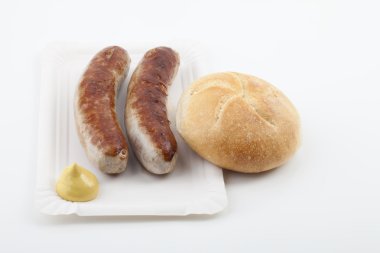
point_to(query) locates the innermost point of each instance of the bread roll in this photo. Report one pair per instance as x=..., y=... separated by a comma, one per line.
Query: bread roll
x=238, y=122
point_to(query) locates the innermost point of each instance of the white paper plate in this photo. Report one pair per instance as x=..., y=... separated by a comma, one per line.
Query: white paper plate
x=195, y=187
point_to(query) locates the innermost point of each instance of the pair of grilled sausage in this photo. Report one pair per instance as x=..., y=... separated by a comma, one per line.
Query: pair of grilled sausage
x=146, y=119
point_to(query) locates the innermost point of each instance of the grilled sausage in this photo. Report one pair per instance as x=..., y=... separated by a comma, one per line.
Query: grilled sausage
x=146, y=118
x=95, y=110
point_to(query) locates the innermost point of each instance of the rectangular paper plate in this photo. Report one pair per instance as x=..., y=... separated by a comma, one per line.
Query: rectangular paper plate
x=194, y=187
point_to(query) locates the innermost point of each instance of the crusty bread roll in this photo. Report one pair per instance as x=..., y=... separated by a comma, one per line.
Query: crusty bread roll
x=238, y=122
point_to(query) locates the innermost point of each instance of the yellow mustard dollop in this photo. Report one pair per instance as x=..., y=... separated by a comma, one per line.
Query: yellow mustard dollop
x=77, y=184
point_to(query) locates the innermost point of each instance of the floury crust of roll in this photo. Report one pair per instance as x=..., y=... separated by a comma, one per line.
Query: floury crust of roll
x=95, y=110
x=238, y=122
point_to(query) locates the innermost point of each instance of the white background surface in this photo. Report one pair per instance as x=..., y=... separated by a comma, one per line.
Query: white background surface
x=324, y=55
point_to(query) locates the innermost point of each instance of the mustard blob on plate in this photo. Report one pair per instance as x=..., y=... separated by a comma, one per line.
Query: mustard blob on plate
x=77, y=184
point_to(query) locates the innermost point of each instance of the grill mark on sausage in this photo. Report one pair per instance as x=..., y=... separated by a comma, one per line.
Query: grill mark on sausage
x=97, y=99
x=154, y=75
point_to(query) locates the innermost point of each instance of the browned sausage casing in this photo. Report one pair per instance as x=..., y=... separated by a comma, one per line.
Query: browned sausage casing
x=95, y=110
x=146, y=116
